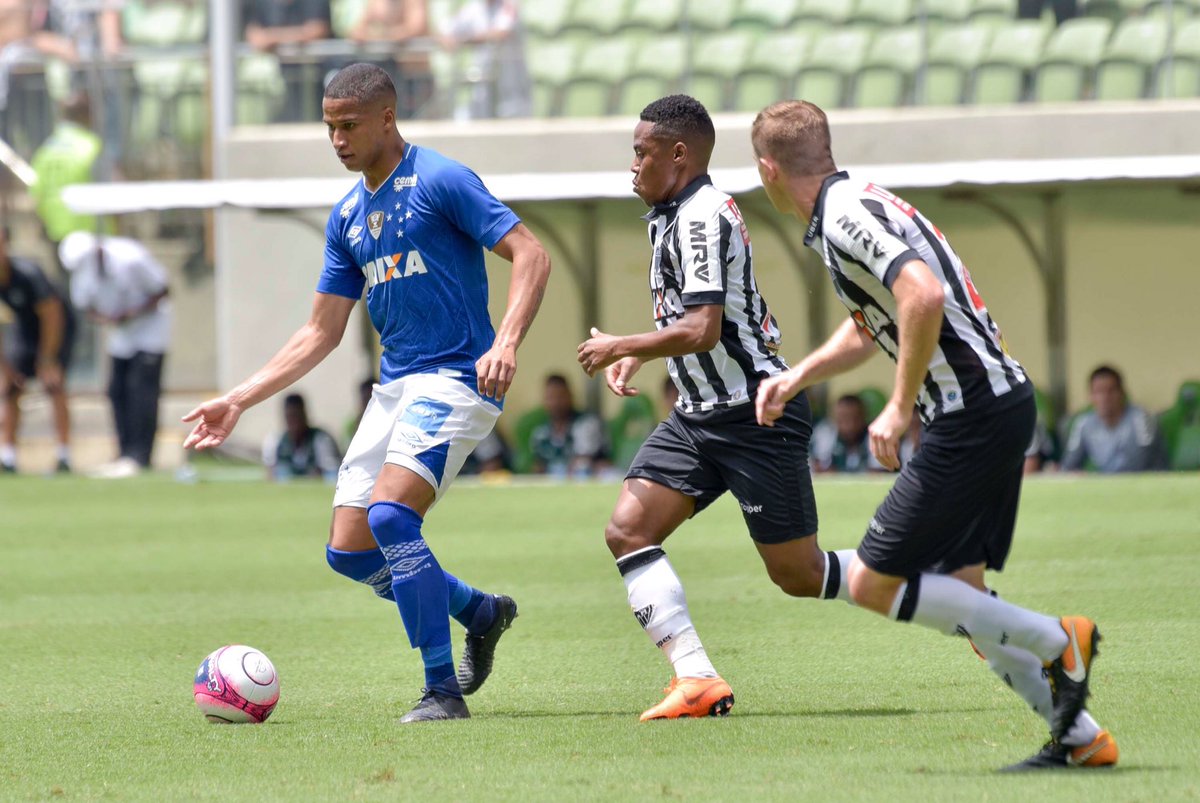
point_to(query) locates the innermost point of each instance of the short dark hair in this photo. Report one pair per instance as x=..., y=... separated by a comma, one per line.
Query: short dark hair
x=293, y=400
x=558, y=379
x=853, y=398
x=683, y=119
x=365, y=83
x=1109, y=371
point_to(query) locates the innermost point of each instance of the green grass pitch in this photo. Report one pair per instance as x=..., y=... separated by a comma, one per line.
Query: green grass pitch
x=111, y=594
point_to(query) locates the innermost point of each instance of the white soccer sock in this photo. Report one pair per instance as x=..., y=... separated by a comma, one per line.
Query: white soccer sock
x=956, y=608
x=841, y=581
x=63, y=452
x=657, y=599
x=8, y=454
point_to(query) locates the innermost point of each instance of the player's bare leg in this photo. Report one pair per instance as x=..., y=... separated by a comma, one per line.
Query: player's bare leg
x=62, y=427
x=8, y=435
x=645, y=514
x=802, y=569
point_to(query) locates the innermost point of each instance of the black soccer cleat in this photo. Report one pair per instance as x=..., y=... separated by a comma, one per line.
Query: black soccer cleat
x=436, y=705
x=476, y=663
x=1069, y=673
x=1101, y=753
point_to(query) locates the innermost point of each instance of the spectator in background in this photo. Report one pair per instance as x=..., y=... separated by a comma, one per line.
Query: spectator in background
x=271, y=23
x=842, y=444
x=69, y=156
x=1032, y=9
x=117, y=283
x=501, y=85
x=302, y=450
x=401, y=22
x=571, y=443
x=45, y=333
x=1040, y=454
x=490, y=456
x=24, y=30
x=1114, y=435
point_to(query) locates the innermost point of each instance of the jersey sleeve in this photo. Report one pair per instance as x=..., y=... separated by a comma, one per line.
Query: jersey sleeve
x=468, y=204
x=707, y=248
x=861, y=237
x=339, y=276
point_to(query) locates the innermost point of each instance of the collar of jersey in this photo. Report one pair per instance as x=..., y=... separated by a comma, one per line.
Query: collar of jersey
x=814, y=225
x=409, y=149
x=687, y=192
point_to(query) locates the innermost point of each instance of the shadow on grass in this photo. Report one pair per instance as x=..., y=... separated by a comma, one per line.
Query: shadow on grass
x=743, y=714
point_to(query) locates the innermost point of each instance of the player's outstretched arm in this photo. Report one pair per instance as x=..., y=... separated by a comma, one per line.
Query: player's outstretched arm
x=699, y=330
x=848, y=347
x=311, y=343
x=531, y=271
x=919, y=303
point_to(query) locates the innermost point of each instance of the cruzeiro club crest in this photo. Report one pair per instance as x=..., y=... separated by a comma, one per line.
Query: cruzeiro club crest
x=375, y=223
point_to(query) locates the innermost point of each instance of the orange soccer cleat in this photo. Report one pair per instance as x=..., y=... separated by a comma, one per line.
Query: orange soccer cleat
x=1101, y=753
x=693, y=697
x=1069, y=673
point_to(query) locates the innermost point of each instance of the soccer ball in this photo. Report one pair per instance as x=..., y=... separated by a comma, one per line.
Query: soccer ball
x=236, y=684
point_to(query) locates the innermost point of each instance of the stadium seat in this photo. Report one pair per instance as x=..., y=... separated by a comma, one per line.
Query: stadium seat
x=526, y=424
x=1069, y=61
x=874, y=400
x=343, y=14
x=885, y=79
x=947, y=12
x=654, y=15
x=545, y=18
x=832, y=62
x=770, y=69
x=881, y=13
x=954, y=55
x=767, y=15
x=260, y=89
x=590, y=90
x=993, y=12
x=824, y=12
x=711, y=15
x=1013, y=52
x=1108, y=9
x=164, y=23
x=550, y=66
x=716, y=60
x=600, y=19
x=1182, y=415
x=1127, y=70
x=1181, y=77
x=658, y=67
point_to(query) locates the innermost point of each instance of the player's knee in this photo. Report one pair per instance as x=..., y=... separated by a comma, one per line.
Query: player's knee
x=867, y=591
x=803, y=581
x=622, y=539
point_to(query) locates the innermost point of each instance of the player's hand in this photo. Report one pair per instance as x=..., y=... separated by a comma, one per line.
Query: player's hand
x=885, y=432
x=495, y=371
x=773, y=395
x=598, y=352
x=50, y=374
x=617, y=376
x=215, y=419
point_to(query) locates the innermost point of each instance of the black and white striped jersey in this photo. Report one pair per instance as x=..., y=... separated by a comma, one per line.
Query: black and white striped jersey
x=702, y=256
x=866, y=234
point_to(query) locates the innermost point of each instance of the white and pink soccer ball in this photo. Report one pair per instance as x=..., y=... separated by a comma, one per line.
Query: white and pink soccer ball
x=236, y=684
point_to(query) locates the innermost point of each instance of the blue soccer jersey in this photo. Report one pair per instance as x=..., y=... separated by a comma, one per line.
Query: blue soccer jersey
x=416, y=243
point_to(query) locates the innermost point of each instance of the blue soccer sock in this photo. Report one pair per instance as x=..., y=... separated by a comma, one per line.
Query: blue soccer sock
x=420, y=590
x=367, y=567
x=471, y=608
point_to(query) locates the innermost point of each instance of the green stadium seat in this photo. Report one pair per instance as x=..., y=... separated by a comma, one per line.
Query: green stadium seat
x=1069, y=61
x=658, y=68
x=596, y=18
x=886, y=77
x=711, y=15
x=260, y=89
x=654, y=15
x=629, y=428
x=1013, y=52
x=767, y=15
x=716, y=60
x=770, y=69
x=343, y=14
x=522, y=433
x=550, y=66
x=1108, y=9
x=164, y=23
x=1184, y=413
x=993, y=12
x=1127, y=70
x=602, y=66
x=947, y=12
x=1186, y=454
x=1181, y=77
x=825, y=12
x=874, y=400
x=954, y=55
x=882, y=13
x=545, y=18
x=832, y=63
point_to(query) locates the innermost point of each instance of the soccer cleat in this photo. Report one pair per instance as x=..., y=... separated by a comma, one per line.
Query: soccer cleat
x=436, y=705
x=1102, y=753
x=476, y=662
x=1068, y=674
x=692, y=697
x=8, y=468
x=62, y=467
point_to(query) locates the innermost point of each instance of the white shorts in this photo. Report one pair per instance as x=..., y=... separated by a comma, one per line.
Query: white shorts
x=426, y=423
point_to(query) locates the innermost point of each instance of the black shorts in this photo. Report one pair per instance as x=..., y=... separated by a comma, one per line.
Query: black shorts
x=25, y=351
x=703, y=455
x=955, y=503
